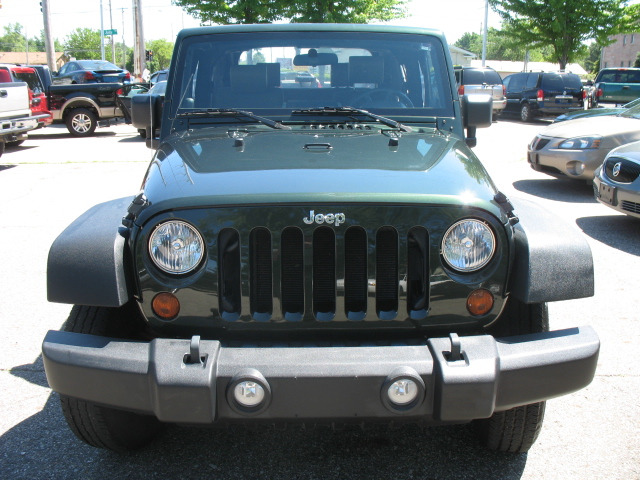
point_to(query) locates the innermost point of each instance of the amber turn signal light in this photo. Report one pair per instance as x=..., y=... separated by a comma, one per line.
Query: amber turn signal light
x=166, y=306
x=480, y=302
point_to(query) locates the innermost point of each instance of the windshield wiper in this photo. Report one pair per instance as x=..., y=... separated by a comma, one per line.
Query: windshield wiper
x=214, y=112
x=351, y=110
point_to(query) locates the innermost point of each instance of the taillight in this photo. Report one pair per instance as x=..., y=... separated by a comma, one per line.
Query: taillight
x=541, y=95
x=584, y=94
x=599, y=92
x=127, y=76
x=504, y=91
x=89, y=76
x=119, y=91
x=461, y=90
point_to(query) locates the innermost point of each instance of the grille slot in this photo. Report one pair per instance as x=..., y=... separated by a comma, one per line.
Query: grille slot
x=324, y=273
x=355, y=273
x=387, y=273
x=229, y=286
x=629, y=171
x=541, y=143
x=292, y=273
x=261, y=274
x=417, y=281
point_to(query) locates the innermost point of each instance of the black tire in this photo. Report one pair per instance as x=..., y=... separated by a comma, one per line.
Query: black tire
x=81, y=122
x=516, y=430
x=16, y=143
x=142, y=132
x=95, y=425
x=525, y=112
x=1, y=146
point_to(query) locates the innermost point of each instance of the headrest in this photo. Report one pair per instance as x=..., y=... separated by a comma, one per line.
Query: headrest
x=340, y=75
x=5, y=77
x=255, y=77
x=365, y=69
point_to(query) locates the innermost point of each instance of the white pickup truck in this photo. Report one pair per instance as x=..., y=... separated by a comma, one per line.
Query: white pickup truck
x=15, y=114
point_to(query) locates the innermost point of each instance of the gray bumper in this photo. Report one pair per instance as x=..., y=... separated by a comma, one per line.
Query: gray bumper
x=321, y=383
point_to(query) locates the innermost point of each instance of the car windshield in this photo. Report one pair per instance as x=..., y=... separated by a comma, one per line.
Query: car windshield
x=633, y=112
x=276, y=73
x=97, y=65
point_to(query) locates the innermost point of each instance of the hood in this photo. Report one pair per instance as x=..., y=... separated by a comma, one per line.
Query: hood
x=598, y=125
x=219, y=166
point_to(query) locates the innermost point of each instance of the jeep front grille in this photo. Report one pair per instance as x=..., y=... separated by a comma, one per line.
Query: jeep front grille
x=329, y=275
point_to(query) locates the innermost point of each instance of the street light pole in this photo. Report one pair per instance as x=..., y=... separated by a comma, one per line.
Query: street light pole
x=48, y=36
x=485, y=32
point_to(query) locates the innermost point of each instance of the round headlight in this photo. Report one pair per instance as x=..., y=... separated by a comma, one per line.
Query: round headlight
x=176, y=247
x=468, y=245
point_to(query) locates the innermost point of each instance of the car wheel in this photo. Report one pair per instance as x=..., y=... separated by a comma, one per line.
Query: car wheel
x=15, y=144
x=1, y=147
x=516, y=430
x=525, y=112
x=81, y=122
x=142, y=132
x=96, y=425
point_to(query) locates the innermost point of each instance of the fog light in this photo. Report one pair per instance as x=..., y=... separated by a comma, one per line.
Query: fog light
x=249, y=394
x=403, y=391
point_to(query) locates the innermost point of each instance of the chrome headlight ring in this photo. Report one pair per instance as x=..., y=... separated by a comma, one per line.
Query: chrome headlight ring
x=176, y=247
x=468, y=245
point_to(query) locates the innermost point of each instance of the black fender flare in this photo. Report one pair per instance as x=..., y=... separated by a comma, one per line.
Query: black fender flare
x=87, y=262
x=553, y=260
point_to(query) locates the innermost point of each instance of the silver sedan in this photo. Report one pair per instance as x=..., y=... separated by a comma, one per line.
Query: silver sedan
x=617, y=181
x=576, y=148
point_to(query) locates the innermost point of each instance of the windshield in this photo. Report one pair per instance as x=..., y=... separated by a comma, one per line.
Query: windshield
x=633, y=112
x=97, y=65
x=274, y=73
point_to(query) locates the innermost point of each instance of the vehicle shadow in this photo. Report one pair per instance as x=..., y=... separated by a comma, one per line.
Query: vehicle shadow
x=44, y=443
x=6, y=167
x=561, y=190
x=618, y=231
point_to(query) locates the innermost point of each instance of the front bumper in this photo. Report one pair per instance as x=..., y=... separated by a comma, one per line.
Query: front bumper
x=577, y=164
x=622, y=197
x=321, y=383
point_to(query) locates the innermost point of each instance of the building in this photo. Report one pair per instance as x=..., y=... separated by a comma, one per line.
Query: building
x=460, y=56
x=32, y=58
x=623, y=52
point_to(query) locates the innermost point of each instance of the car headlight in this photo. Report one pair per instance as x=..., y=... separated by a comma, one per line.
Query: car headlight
x=581, y=143
x=468, y=245
x=176, y=247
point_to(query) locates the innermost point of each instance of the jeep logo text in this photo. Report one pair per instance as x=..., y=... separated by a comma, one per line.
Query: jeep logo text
x=330, y=218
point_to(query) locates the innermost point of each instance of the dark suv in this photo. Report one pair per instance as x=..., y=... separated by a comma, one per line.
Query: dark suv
x=538, y=94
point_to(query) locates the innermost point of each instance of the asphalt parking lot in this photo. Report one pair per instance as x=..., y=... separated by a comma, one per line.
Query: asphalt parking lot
x=53, y=178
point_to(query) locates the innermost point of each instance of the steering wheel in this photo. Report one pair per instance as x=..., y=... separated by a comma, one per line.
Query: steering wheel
x=382, y=97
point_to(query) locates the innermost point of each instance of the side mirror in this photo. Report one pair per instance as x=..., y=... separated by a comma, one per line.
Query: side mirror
x=477, y=112
x=146, y=114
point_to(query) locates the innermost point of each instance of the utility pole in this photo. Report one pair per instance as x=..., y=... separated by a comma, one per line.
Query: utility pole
x=485, y=32
x=101, y=33
x=139, y=60
x=48, y=37
x=113, y=45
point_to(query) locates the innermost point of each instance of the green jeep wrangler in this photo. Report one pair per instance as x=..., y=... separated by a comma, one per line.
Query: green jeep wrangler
x=315, y=247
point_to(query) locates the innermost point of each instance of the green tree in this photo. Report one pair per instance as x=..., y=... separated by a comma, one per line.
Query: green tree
x=162, y=51
x=37, y=44
x=500, y=46
x=238, y=11
x=314, y=11
x=13, y=39
x=83, y=44
x=564, y=25
x=345, y=11
x=591, y=62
